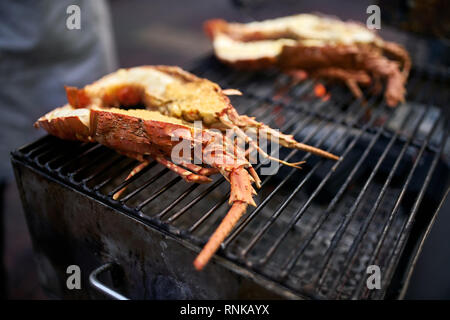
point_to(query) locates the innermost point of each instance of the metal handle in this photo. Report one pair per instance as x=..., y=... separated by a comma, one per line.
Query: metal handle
x=96, y=284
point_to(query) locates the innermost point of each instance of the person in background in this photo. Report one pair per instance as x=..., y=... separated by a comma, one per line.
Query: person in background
x=42, y=48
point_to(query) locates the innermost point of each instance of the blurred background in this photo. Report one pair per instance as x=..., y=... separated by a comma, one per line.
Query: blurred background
x=38, y=55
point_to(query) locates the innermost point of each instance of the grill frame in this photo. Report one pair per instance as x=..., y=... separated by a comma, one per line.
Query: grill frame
x=227, y=260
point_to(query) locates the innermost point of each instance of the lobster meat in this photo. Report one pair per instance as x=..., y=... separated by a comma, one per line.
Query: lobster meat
x=321, y=46
x=173, y=99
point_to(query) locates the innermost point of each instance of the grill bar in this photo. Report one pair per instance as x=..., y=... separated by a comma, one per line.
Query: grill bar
x=126, y=167
x=177, y=201
x=196, y=200
x=397, y=204
x=349, y=260
x=338, y=235
x=145, y=185
x=278, y=212
x=85, y=153
x=300, y=213
x=104, y=168
x=132, y=179
x=395, y=210
x=157, y=193
x=401, y=241
x=57, y=159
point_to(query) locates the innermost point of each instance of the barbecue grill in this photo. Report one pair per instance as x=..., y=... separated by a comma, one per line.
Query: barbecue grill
x=314, y=232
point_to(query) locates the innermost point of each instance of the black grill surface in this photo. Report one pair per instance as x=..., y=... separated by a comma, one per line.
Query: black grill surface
x=316, y=230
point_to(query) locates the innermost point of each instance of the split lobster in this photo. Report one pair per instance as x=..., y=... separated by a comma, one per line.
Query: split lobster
x=321, y=46
x=177, y=93
x=174, y=99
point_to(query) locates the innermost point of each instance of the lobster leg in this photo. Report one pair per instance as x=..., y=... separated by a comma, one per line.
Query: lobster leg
x=200, y=170
x=354, y=88
x=358, y=76
x=240, y=197
x=187, y=175
x=222, y=231
x=350, y=77
x=285, y=140
x=288, y=141
x=395, y=79
x=232, y=92
x=241, y=134
x=137, y=169
x=255, y=176
x=400, y=53
x=377, y=85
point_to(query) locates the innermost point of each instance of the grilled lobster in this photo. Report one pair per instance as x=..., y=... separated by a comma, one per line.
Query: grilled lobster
x=177, y=93
x=174, y=100
x=321, y=46
x=143, y=134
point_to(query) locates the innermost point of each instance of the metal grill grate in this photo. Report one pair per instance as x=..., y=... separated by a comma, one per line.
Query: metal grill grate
x=315, y=230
